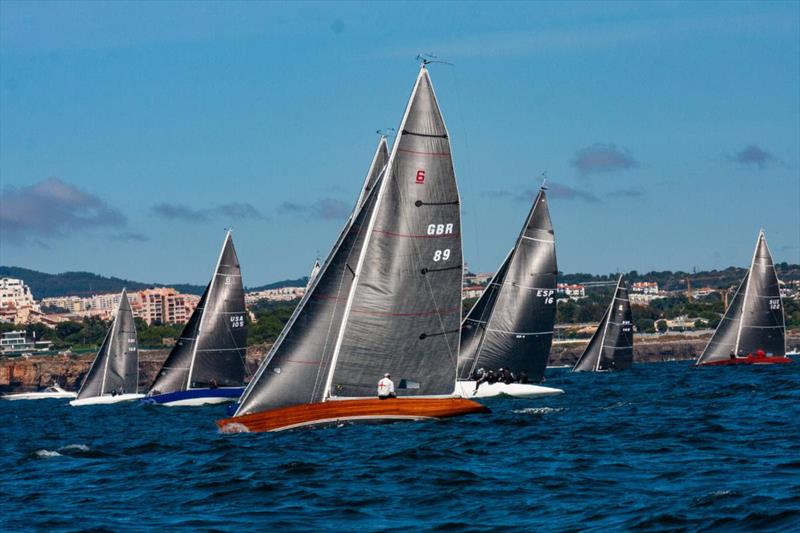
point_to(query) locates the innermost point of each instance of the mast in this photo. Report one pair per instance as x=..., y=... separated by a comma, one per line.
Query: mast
x=203, y=315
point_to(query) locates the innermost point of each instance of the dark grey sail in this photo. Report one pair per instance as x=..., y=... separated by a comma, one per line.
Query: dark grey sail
x=511, y=326
x=116, y=367
x=296, y=369
x=754, y=319
x=403, y=314
x=611, y=347
x=212, y=347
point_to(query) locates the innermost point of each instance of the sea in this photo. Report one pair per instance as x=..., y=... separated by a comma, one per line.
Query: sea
x=662, y=447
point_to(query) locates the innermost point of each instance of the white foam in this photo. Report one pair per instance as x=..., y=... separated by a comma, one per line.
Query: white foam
x=47, y=453
x=234, y=428
x=81, y=447
x=538, y=410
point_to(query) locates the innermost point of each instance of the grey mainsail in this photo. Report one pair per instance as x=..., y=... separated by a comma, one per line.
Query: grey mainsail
x=403, y=313
x=295, y=370
x=754, y=320
x=212, y=347
x=116, y=367
x=611, y=347
x=511, y=325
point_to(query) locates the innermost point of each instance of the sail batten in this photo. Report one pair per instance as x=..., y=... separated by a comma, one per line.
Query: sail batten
x=754, y=320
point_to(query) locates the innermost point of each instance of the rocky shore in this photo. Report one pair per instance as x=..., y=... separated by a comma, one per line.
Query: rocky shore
x=19, y=374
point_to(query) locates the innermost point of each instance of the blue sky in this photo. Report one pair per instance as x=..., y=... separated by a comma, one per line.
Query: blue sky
x=132, y=134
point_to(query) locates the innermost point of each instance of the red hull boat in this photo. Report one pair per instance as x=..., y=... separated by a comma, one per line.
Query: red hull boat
x=356, y=410
x=757, y=359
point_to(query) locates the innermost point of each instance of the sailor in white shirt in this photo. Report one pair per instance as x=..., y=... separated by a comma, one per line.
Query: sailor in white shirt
x=386, y=387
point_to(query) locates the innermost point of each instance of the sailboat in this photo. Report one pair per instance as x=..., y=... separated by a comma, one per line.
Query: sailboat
x=114, y=374
x=752, y=331
x=387, y=300
x=207, y=364
x=511, y=324
x=611, y=347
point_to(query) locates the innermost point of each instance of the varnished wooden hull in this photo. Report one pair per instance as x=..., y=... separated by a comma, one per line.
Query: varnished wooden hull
x=356, y=410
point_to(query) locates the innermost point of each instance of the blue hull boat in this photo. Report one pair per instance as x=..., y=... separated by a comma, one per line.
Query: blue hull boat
x=193, y=397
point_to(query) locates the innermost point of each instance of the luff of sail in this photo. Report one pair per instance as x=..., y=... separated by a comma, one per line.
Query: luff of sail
x=611, y=346
x=511, y=325
x=116, y=367
x=212, y=346
x=403, y=313
x=754, y=319
x=296, y=367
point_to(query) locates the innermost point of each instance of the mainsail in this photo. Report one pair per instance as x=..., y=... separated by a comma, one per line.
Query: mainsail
x=116, y=367
x=388, y=297
x=611, y=347
x=754, y=320
x=511, y=325
x=295, y=369
x=211, y=349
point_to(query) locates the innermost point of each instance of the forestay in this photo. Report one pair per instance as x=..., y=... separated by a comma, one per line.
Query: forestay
x=296, y=368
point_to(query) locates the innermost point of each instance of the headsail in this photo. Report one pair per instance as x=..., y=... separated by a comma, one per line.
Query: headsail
x=116, y=367
x=754, y=320
x=611, y=347
x=297, y=366
x=511, y=325
x=404, y=310
x=212, y=347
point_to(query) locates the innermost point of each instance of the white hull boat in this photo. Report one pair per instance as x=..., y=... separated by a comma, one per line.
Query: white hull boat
x=466, y=389
x=106, y=399
x=50, y=393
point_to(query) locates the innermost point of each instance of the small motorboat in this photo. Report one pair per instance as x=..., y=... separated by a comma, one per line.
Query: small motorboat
x=54, y=392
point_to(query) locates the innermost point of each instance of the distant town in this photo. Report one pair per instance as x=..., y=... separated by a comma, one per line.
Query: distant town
x=22, y=314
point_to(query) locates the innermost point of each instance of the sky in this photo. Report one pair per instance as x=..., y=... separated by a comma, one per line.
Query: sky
x=132, y=134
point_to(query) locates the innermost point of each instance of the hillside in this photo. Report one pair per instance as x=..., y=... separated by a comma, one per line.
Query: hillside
x=44, y=285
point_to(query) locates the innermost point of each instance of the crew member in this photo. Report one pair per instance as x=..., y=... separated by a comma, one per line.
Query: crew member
x=523, y=377
x=386, y=387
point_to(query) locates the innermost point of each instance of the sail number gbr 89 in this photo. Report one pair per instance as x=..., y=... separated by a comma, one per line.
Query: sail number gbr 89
x=440, y=229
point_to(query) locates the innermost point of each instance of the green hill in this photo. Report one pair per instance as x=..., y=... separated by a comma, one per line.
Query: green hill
x=44, y=285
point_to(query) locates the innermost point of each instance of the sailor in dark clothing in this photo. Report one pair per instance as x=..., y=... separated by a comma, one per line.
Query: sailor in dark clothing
x=479, y=376
x=491, y=377
x=506, y=376
x=213, y=384
x=523, y=377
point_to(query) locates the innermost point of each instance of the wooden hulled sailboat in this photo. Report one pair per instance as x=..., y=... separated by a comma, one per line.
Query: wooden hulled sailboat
x=387, y=300
x=511, y=324
x=752, y=331
x=114, y=374
x=207, y=364
x=611, y=347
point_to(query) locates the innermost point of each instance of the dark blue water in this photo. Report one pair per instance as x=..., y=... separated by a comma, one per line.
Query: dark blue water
x=661, y=447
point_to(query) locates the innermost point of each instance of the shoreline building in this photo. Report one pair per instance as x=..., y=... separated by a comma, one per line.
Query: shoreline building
x=16, y=301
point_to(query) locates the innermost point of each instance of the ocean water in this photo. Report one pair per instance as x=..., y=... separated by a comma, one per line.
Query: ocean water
x=662, y=447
